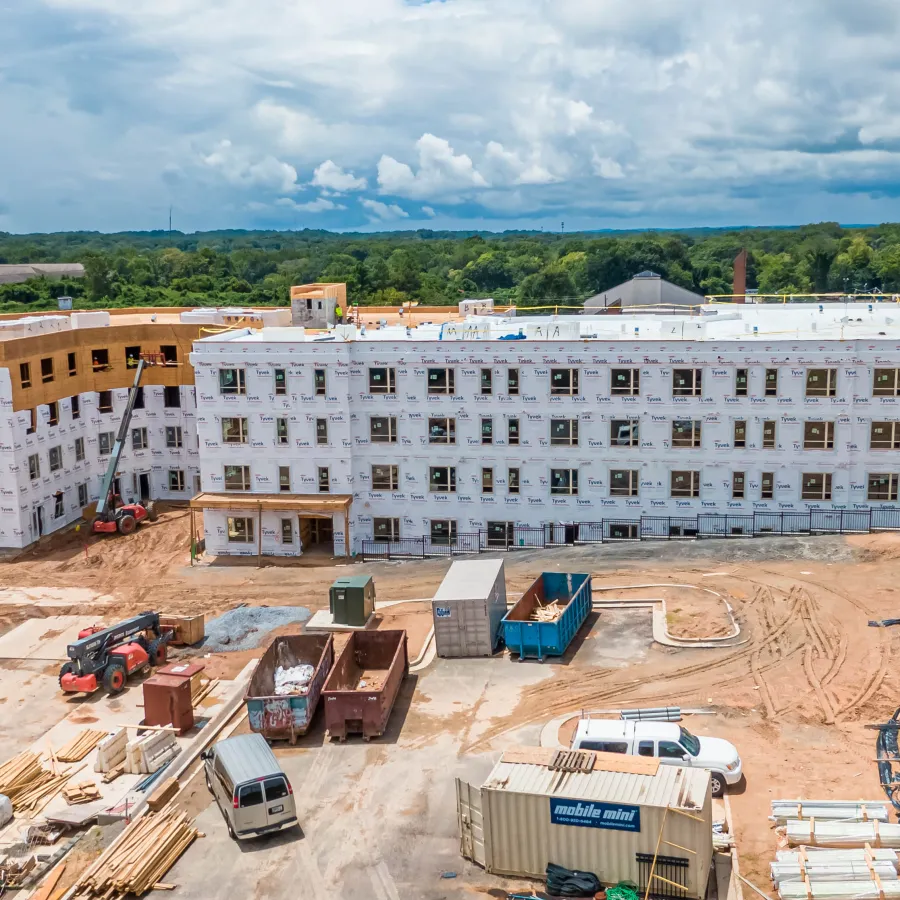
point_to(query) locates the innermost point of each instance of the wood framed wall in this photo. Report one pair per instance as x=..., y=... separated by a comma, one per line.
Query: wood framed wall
x=83, y=342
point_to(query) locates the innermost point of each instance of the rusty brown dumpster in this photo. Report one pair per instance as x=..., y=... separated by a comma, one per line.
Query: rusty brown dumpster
x=360, y=691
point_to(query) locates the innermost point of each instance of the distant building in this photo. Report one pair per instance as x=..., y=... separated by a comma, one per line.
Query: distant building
x=645, y=289
x=14, y=274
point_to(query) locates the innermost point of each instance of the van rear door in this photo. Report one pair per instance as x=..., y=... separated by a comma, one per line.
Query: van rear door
x=279, y=800
x=250, y=814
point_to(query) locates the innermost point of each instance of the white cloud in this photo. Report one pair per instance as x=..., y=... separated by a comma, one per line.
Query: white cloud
x=442, y=172
x=320, y=204
x=606, y=167
x=331, y=176
x=714, y=113
x=237, y=167
x=429, y=212
x=384, y=211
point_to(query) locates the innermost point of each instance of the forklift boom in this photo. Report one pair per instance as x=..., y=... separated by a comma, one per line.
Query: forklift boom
x=86, y=648
x=106, y=487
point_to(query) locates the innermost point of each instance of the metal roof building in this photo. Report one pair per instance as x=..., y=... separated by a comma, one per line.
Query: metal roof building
x=646, y=289
x=14, y=274
x=610, y=820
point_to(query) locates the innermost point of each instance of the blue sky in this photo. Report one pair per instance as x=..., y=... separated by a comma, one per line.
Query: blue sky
x=376, y=114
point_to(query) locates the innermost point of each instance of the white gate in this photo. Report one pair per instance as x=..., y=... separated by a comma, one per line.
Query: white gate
x=473, y=840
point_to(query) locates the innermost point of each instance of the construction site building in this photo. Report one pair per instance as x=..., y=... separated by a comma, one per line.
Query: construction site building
x=64, y=383
x=429, y=431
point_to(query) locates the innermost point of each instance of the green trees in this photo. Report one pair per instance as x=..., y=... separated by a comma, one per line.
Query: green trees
x=244, y=268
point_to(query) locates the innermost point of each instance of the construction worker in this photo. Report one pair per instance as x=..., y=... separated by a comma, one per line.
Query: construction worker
x=338, y=314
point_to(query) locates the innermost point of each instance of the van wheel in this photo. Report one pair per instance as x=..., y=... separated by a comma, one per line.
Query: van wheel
x=209, y=786
x=717, y=783
x=231, y=833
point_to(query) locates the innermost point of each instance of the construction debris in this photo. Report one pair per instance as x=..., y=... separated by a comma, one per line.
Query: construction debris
x=79, y=747
x=293, y=679
x=14, y=872
x=83, y=792
x=547, y=613
x=135, y=863
x=845, y=810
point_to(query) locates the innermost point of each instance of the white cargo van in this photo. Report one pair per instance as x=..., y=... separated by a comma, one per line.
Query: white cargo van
x=253, y=793
x=671, y=743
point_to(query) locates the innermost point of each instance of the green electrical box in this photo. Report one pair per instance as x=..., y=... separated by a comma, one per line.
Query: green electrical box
x=352, y=600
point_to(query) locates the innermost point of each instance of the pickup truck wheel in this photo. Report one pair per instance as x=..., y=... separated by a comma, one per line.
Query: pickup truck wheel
x=717, y=783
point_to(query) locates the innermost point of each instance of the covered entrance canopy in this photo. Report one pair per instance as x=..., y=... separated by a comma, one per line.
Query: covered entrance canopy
x=309, y=506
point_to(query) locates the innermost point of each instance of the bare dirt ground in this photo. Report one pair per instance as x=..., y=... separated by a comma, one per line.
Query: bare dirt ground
x=794, y=696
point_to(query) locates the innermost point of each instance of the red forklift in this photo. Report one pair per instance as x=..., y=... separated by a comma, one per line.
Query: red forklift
x=112, y=515
x=110, y=655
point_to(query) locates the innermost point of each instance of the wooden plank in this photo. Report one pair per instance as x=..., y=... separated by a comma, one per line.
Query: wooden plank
x=534, y=756
x=49, y=883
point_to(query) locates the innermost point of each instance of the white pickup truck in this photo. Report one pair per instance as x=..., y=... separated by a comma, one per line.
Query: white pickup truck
x=671, y=743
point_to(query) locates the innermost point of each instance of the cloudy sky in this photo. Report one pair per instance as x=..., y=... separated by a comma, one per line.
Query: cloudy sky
x=373, y=114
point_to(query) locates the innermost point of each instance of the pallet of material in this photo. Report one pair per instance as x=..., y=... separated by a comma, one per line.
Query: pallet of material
x=134, y=864
x=188, y=629
x=148, y=754
x=79, y=747
x=842, y=835
x=111, y=751
x=83, y=792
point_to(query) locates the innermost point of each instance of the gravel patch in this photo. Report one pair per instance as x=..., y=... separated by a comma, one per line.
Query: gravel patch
x=246, y=627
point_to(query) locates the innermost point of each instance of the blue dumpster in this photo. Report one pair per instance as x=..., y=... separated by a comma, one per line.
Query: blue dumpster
x=530, y=638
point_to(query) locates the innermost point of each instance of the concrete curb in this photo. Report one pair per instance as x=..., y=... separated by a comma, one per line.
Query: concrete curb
x=659, y=616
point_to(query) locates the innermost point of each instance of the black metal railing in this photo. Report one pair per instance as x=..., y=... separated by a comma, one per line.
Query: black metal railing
x=643, y=528
x=669, y=875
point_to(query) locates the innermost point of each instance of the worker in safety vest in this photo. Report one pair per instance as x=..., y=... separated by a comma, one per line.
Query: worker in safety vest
x=338, y=314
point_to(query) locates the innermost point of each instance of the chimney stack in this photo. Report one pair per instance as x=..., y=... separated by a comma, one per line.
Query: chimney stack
x=739, y=285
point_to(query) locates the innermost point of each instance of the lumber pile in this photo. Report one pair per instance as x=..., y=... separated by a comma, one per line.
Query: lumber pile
x=83, y=792
x=163, y=794
x=28, y=784
x=79, y=747
x=148, y=848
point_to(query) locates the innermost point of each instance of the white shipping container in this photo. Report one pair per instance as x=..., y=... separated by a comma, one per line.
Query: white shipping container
x=606, y=822
x=468, y=607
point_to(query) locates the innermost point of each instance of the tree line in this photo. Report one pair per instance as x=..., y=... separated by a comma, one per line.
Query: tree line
x=246, y=268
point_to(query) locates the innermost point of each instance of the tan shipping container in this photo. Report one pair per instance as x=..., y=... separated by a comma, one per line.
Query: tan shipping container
x=607, y=822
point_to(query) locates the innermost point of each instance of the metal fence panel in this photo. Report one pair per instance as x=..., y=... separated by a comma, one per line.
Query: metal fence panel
x=590, y=533
x=719, y=525
x=780, y=523
x=886, y=519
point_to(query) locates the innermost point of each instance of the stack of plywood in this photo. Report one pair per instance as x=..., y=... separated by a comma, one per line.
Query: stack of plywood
x=136, y=862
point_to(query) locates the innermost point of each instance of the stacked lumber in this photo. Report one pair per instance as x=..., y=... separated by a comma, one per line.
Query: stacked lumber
x=148, y=848
x=148, y=754
x=111, y=751
x=28, y=784
x=163, y=794
x=79, y=747
x=83, y=792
